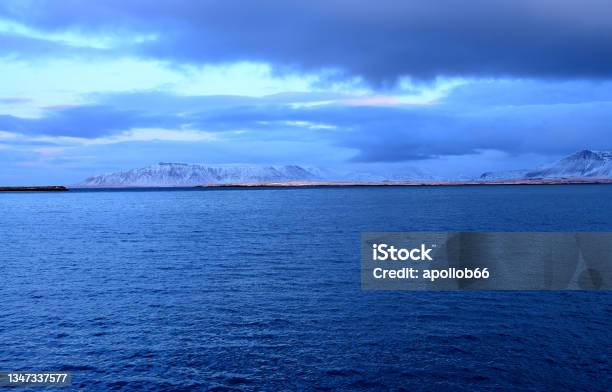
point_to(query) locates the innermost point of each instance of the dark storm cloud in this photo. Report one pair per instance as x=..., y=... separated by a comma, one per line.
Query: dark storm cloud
x=82, y=121
x=119, y=112
x=542, y=125
x=379, y=40
x=540, y=129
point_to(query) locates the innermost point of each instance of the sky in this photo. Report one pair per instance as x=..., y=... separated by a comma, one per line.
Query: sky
x=454, y=88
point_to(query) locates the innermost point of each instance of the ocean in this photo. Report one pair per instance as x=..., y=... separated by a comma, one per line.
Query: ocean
x=259, y=289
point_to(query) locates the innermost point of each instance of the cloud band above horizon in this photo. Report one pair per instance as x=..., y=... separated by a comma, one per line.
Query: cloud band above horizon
x=380, y=83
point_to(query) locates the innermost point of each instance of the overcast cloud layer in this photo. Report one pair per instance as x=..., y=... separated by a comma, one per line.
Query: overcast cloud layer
x=380, y=40
x=96, y=86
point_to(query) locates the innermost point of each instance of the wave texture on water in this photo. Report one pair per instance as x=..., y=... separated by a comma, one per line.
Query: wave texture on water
x=259, y=290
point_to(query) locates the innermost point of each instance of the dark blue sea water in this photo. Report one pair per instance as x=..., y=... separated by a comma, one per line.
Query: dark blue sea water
x=259, y=290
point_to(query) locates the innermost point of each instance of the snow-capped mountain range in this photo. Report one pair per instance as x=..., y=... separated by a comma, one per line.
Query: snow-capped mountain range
x=181, y=174
x=582, y=164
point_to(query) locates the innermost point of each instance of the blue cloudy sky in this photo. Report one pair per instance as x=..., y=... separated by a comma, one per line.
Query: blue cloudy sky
x=454, y=87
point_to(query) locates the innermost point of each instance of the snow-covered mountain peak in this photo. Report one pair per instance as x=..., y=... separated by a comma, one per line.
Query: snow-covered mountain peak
x=581, y=164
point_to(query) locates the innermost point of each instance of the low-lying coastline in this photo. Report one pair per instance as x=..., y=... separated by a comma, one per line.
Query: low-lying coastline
x=304, y=184
x=325, y=184
x=53, y=188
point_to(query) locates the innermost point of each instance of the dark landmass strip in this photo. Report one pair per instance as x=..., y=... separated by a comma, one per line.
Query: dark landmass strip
x=302, y=184
x=33, y=188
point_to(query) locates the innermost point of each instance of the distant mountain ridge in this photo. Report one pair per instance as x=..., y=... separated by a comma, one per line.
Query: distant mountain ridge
x=182, y=174
x=582, y=164
x=585, y=164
